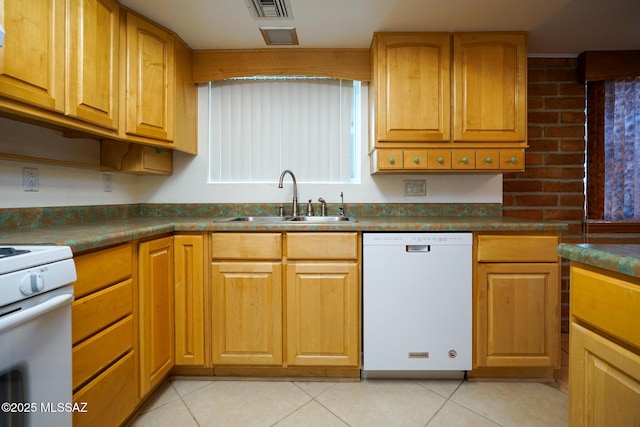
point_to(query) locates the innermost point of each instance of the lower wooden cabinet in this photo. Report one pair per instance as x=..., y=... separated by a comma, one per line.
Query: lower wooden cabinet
x=156, y=311
x=189, y=299
x=247, y=322
x=322, y=314
x=286, y=299
x=604, y=375
x=103, y=330
x=516, y=306
x=604, y=381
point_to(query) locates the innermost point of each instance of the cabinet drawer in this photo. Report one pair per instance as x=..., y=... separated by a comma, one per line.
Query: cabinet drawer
x=389, y=159
x=100, y=269
x=111, y=397
x=101, y=309
x=246, y=246
x=322, y=245
x=609, y=303
x=415, y=159
x=439, y=159
x=92, y=355
x=487, y=159
x=512, y=159
x=463, y=159
x=517, y=248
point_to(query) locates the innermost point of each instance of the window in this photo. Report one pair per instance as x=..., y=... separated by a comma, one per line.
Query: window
x=613, y=178
x=260, y=126
x=613, y=143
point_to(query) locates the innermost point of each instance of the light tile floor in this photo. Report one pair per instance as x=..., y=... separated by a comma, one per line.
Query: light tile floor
x=368, y=403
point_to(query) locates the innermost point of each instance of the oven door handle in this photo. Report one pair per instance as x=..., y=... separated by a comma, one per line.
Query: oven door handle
x=13, y=320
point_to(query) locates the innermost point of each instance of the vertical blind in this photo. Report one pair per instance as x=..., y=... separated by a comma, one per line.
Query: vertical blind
x=260, y=126
x=622, y=150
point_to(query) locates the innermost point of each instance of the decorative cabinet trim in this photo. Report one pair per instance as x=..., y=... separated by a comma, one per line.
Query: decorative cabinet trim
x=388, y=160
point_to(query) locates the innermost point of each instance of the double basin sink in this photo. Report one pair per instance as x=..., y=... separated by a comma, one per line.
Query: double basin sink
x=309, y=219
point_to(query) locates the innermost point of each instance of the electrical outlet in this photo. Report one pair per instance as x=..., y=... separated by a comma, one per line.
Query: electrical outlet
x=415, y=187
x=107, y=183
x=30, y=179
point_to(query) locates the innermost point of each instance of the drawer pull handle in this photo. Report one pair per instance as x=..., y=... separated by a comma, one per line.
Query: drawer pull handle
x=416, y=160
x=488, y=160
x=513, y=160
x=440, y=160
x=465, y=160
x=392, y=160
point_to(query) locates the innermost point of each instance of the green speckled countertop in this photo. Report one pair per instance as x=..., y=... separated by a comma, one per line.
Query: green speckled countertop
x=624, y=259
x=84, y=228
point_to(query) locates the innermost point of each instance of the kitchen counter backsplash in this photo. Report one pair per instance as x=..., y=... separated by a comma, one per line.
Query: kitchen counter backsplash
x=16, y=218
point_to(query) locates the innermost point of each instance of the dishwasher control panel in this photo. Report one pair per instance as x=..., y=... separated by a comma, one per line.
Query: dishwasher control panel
x=392, y=239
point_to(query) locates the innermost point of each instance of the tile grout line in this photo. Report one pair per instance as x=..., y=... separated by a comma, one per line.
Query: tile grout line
x=195, y=420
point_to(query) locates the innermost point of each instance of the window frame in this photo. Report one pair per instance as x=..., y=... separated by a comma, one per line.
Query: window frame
x=594, y=68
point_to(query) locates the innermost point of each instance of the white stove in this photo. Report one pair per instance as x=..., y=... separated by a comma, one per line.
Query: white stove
x=26, y=271
x=36, y=292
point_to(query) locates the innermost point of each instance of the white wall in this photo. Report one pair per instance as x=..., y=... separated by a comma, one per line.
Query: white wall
x=58, y=185
x=73, y=186
x=189, y=183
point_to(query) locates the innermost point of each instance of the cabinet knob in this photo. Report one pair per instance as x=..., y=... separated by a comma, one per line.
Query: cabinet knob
x=440, y=160
x=416, y=160
x=392, y=160
x=464, y=160
x=488, y=160
x=513, y=160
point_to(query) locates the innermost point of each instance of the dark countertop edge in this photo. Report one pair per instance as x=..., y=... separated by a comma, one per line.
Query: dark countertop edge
x=107, y=233
x=604, y=256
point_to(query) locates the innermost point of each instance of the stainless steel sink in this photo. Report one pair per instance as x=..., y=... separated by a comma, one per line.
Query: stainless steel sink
x=274, y=218
x=257, y=218
x=320, y=219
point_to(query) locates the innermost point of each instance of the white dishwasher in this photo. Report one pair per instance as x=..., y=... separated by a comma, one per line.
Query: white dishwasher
x=416, y=304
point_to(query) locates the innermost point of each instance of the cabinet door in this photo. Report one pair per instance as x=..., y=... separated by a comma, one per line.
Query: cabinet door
x=189, y=283
x=247, y=322
x=186, y=101
x=518, y=315
x=323, y=317
x=32, y=59
x=156, y=311
x=92, y=89
x=150, y=84
x=412, y=79
x=604, y=381
x=490, y=77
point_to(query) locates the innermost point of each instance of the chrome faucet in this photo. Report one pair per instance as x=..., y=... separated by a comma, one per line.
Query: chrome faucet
x=294, y=209
x=323, y=208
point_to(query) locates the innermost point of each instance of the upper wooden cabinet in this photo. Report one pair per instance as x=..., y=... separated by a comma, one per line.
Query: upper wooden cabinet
x=411, y=73
x=32, y=59
x=455, y=95
x=150, y=84
x=93, y=59
x=490, y=82
x=96, y=69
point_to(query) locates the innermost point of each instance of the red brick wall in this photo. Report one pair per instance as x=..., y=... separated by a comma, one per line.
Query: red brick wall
x=551, y=188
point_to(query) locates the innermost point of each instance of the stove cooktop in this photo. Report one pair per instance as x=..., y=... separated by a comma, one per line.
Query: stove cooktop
x=9, y=251
x=15, y=258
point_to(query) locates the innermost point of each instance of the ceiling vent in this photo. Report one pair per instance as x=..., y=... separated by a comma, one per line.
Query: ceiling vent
x=269, y=9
